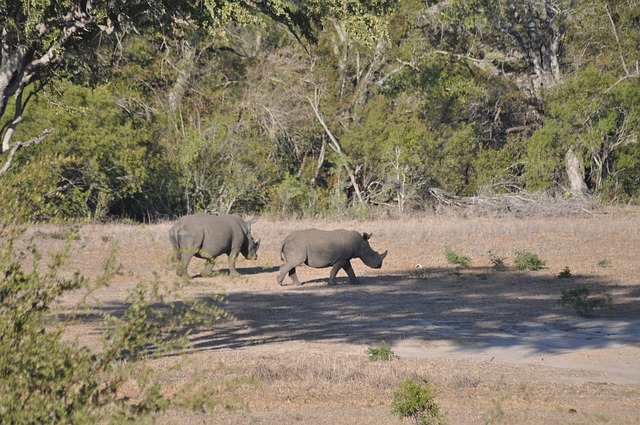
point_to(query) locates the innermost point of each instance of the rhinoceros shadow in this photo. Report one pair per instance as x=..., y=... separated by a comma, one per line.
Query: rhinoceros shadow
x=258, y=270
x=324, y=282
x=242, y=271
x=478, y=307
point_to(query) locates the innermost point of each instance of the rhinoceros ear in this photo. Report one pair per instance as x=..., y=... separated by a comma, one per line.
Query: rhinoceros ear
x=250, y=222
x=367, y=236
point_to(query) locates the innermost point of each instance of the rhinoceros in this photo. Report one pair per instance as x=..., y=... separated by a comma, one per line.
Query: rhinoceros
x=208, y=236
x=327, y=248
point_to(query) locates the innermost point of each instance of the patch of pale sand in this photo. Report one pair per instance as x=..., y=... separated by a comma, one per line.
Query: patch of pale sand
x=614, y=364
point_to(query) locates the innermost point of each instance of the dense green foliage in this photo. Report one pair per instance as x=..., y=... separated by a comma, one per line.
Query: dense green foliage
x=316, y=110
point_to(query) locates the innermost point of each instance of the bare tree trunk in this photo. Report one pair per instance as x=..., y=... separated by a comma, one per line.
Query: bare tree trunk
x=18, y=68
x=341, y=56
x=320, y=162
x=575, y=172
x=184, y=68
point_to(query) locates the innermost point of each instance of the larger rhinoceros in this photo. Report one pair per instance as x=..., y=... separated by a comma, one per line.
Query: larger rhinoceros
x=208, y=236
x=327, y=248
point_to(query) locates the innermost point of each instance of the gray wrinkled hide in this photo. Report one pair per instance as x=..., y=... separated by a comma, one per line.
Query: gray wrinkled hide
x=208, y=236
x=327, y=248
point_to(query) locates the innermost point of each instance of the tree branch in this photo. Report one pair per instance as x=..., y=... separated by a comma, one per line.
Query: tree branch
x=615, y=34
x=335, y=146
x=627, y=75
x=14, y=149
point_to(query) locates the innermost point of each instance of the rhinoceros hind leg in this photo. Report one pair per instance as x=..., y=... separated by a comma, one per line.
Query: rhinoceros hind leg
x=208, y=268
x=287, y=269
x=294, y=276
x=283, y=271
x=183, y=259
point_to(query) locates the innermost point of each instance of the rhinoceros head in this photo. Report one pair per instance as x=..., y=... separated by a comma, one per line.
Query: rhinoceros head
x=250, y=247
x=368, y=255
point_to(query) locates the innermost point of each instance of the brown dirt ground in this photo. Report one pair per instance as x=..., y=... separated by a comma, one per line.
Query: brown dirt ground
x=495, y=344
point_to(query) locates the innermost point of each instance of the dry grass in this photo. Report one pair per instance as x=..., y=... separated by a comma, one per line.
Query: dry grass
x=496, y=345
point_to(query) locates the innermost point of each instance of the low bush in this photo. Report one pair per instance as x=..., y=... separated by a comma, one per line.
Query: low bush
x=580, y=299
x=497, y=263
x=383, y=352
x=565, y=273
x=526, y=260
x=416, y=401
x=457, y=259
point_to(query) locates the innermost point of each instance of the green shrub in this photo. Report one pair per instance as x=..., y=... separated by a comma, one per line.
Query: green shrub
x=46, y=379
x=43, y=379
x=293, y=197
x=526, y=260
x=383, y=352
x=580, y=300
x=604, y=263
x=416, y=401
x=455, y=258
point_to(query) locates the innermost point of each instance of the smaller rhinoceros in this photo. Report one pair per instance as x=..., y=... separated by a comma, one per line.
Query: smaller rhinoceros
x=207, y=236
x=327, y=248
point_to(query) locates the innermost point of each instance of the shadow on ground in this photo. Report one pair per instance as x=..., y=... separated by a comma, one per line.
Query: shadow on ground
x=471, y=309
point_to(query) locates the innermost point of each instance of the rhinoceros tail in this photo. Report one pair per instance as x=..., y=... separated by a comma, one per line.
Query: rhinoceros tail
x=173, y=237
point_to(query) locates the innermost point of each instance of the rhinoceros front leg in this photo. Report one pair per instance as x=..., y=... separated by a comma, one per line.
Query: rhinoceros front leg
x=233, y=255
x=352, y=276
x=334, y=270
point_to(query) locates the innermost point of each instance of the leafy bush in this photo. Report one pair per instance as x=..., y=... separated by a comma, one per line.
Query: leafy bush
x=383, y=352
x=580, y=300
x=48, y=380
x=455, y=258
x=416, y=401
x=100, y=155
x=526, y=260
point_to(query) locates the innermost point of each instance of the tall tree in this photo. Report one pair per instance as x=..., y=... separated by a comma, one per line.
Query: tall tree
x=525, y=36
x=40, y=37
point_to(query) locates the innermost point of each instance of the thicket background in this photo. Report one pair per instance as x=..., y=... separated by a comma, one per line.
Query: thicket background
x=473, y=98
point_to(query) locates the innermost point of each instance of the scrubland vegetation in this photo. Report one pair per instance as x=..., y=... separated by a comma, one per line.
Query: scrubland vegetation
x=492, y=143
x=314, y=109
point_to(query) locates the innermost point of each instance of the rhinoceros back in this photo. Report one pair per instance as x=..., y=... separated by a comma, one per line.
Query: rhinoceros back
x=208, y=234
x=321, y=248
